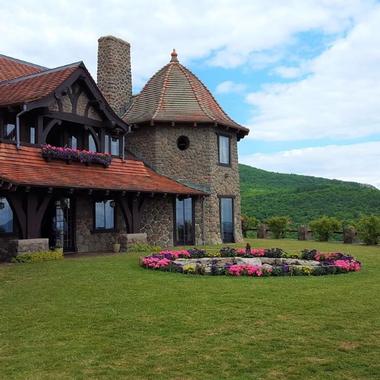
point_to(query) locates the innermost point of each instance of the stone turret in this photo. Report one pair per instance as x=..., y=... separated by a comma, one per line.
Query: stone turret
x=114, y=72
x=178, y=128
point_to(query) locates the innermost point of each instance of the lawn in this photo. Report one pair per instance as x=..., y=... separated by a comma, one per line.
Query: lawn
x=105, y=317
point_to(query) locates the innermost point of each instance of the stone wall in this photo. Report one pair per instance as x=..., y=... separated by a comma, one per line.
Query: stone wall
x=87, y=240
x=114, y=72
x=157, y=220
x=196, y=166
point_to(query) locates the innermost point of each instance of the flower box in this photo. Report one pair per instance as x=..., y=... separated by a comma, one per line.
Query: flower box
x=69, y=155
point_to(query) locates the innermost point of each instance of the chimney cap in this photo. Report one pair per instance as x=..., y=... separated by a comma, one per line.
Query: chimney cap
x=113, y=38
x=174, y=56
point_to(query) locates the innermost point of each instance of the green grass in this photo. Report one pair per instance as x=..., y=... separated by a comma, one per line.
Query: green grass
x=105, y=318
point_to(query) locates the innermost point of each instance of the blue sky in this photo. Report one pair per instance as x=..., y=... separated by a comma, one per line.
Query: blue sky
x=303, y=75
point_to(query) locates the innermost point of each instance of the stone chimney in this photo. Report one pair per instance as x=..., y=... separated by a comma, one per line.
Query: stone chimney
x=114, y=72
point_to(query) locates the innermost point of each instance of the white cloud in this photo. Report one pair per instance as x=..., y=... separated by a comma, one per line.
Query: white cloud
x=228, y=87
x=227, y=32
x=355, y=162
x=338, y=99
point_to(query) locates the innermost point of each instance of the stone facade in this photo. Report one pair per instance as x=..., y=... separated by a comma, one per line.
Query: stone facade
x=157, y=220
x=197, y=166
x=156, y=226
x=114, y=72
x=87, y=240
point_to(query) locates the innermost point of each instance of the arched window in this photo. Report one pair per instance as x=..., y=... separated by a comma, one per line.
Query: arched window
x=6, y=217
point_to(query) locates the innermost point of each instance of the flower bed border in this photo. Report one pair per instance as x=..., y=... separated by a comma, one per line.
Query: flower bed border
x=321, y=263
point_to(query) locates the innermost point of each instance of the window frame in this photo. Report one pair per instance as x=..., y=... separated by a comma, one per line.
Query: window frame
x=103, y=230
x=175, y=241
x=30, y=135
x=232, y=197
x=219, y=135
x=107, y=147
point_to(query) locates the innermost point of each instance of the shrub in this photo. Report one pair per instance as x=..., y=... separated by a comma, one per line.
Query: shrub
x=277, y=226
x=248, y=223
x=323, y=228
x=369, y=229
x=37, y=257
x=143, y=247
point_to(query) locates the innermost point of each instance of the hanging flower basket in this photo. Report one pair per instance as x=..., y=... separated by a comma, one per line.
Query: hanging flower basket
x=69, y=155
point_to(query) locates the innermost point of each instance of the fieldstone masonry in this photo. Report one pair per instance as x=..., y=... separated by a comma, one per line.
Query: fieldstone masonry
x=114, y=72
x=197, y=166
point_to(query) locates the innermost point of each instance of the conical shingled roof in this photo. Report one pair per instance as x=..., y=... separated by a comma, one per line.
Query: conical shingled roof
x=175, y=94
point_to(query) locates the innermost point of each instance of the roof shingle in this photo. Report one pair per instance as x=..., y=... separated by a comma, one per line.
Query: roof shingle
x=174, y=93
x=27, y=167
x=11, y=68
x=34, y=86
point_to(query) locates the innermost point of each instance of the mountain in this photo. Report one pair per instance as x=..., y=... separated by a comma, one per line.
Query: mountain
x=303, y=198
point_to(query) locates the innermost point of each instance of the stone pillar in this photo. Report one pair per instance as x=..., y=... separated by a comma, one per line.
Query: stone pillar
x=114, y=72
x=349, y=235
x=262, y=231
x=303, y=233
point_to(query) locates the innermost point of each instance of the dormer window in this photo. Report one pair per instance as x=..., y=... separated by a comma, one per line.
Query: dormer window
x=224, y=145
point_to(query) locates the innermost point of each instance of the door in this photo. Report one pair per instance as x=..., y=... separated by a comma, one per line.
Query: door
x=63, y=224
x=184, y=221
x=227, y=219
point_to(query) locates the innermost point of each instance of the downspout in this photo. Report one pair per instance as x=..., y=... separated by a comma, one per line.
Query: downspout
x=24, y=109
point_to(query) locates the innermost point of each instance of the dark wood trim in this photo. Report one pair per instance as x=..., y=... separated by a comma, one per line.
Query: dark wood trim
x=51, y=124
x=74, y=118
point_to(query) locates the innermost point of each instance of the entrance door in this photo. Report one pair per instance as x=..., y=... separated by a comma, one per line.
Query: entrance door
x=184, y=222
x=64, y=224
x=227, y=219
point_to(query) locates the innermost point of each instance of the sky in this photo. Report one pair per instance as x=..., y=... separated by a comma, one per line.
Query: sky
x=303, y=75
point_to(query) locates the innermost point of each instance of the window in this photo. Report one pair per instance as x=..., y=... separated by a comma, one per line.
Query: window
x=105, y=215
x=227, y=219
x=115, y=146
x=106, y=144
x=32, y=135
x=91, y=143
x=6, y=217
x=184, y=222
x=10, y=132
x=183, y=142
x=73, y=142
x=224, y=143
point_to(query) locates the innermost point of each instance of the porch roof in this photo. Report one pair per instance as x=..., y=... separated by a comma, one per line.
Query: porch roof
x=26, y=167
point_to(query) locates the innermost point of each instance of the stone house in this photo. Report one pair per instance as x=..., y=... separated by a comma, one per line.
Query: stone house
x=85, y=164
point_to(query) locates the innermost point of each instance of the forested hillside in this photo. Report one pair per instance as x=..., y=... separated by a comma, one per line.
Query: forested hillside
x=303, y=198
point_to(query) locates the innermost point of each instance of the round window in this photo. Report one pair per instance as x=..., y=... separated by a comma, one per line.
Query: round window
x=183, y=142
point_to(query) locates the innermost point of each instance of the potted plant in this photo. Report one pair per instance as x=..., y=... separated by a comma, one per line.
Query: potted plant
x=116, y=245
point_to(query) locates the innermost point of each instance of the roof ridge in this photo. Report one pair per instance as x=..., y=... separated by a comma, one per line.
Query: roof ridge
x=163, y=90
x=40, y=73
x=184, y=70
x=27, y=63
x=136, y=97
x=212, y=96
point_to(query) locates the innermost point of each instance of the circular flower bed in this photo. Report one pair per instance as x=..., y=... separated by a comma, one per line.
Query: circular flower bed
x=254, y=262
